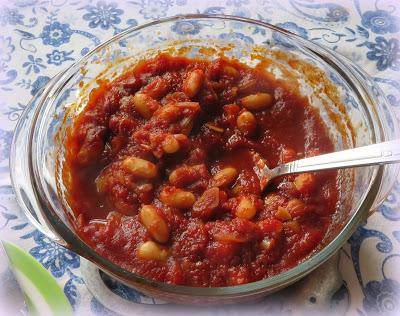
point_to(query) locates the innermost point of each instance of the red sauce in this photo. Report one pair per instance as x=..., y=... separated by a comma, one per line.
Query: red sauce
x=160, y=164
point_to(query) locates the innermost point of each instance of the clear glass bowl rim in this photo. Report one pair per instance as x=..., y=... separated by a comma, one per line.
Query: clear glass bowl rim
x=275, y=282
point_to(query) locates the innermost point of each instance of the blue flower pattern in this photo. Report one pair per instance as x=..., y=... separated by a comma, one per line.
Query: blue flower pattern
x=103, y=15
x=42, y=34
x=56, y=34
x=337, y=14
x=154, y=9
x=185, y=28
x=33, y=64
x=52, y=256
x=291, y=27
x=10, y=16
x=382, y=298
x=380, y=22
x=39, y=84
x=385, y=52
x=57, y=57
x=237, y=38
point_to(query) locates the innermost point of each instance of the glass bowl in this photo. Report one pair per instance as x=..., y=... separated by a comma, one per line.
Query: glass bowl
x=350, y=103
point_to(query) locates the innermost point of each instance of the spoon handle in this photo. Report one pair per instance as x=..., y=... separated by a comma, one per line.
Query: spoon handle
x=377, y=154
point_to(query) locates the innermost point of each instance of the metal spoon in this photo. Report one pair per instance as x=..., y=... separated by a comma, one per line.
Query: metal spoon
x=377, y=154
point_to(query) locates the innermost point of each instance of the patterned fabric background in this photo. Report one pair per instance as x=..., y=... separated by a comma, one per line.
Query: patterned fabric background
x=38, y=38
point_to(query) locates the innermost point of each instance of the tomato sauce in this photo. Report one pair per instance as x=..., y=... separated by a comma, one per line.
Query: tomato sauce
x=161, y=173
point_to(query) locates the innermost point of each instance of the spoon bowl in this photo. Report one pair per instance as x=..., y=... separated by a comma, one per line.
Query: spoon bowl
x=376, y=154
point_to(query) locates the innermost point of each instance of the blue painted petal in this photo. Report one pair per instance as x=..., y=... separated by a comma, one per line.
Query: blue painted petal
x=396, y=235
x=9, y=216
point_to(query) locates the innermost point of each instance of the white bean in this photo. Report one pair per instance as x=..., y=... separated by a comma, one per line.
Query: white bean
x=257, y=102
x=154, y=223
x=246, y=122
x=225, y=177
x=177, y=198
x=140, y=167
x=193, y=82
x=150, y=250
x=246, y=209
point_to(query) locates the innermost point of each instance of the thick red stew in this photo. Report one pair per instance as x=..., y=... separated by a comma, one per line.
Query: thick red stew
x=159, y=170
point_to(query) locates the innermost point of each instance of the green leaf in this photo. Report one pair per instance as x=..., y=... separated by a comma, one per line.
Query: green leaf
x=42, y=293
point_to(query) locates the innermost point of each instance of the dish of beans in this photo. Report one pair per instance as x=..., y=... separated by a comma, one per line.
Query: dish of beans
x=159, y=170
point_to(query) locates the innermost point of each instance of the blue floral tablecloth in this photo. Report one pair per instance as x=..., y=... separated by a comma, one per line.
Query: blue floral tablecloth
x=38, y=38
